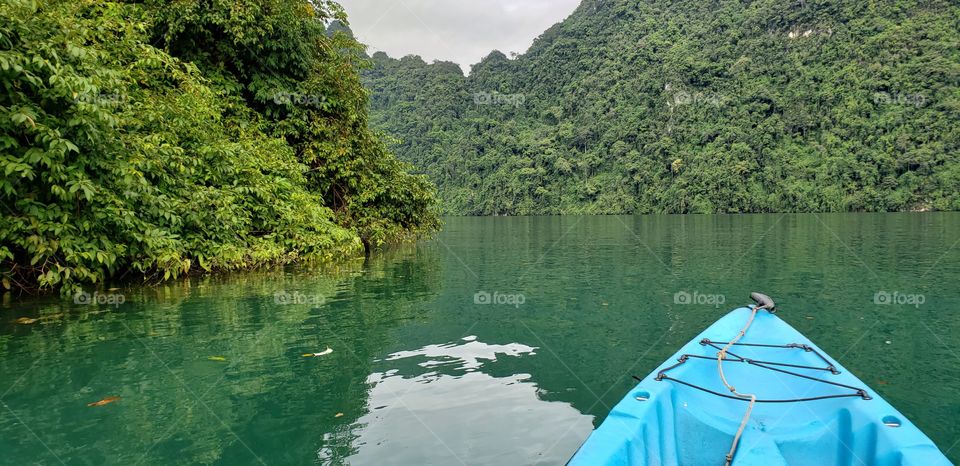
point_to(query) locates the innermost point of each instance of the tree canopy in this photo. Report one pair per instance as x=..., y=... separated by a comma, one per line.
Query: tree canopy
x=165, y=137
x=632, y=106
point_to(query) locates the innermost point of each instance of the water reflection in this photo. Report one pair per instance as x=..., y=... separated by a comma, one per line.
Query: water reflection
x=401, y=386
x=440, y=405
x=208, y=370
x=464, y=356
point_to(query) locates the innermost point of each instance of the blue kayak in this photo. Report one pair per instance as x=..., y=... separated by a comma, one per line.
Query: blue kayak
x=808, y=409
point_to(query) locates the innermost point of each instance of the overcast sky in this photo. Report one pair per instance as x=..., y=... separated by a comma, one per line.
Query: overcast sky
x=461, y=31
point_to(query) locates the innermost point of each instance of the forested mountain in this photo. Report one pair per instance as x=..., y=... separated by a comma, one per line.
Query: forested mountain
x=634, y=106
x=165, y=137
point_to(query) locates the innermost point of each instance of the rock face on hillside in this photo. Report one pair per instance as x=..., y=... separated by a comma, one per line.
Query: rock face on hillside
x=691, y=106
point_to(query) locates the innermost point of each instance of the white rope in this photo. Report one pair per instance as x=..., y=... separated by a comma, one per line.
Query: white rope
x=753, y=398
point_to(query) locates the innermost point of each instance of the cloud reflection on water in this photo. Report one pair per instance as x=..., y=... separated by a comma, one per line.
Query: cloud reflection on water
x=455, y=411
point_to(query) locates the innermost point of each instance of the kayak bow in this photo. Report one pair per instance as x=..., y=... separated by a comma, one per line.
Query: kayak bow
x=808, y=409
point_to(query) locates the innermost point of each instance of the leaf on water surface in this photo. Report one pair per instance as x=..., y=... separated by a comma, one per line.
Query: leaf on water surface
x=216, y=358
x=322, y=353
x=25, y=320
x=107, y=400
x=338, y=415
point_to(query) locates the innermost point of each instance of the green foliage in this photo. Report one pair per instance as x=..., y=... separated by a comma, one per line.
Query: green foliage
x=123, y=148
x=686, y=106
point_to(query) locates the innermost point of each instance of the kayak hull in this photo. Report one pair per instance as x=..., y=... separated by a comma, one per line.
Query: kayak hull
x=684, y=419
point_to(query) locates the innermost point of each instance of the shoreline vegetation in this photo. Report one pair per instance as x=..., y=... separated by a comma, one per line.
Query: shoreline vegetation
x=162, y=139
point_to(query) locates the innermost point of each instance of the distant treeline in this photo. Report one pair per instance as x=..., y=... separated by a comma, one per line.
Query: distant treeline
x=672, y=106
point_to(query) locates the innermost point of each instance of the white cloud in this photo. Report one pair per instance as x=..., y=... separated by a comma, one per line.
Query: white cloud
x=461, y=31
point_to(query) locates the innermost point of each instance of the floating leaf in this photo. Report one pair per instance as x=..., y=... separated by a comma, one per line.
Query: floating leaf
x=25, y=320
x=217, y=358
x=338, y=415
x=322, y=353
x=109, y=399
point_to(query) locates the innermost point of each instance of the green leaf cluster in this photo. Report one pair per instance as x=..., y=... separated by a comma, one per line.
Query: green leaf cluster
x=150, y=138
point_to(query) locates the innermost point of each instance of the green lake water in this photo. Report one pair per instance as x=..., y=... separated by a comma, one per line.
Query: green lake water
x=212, y=370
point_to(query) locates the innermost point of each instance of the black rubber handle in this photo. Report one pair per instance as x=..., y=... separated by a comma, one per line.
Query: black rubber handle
x=763, y=301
